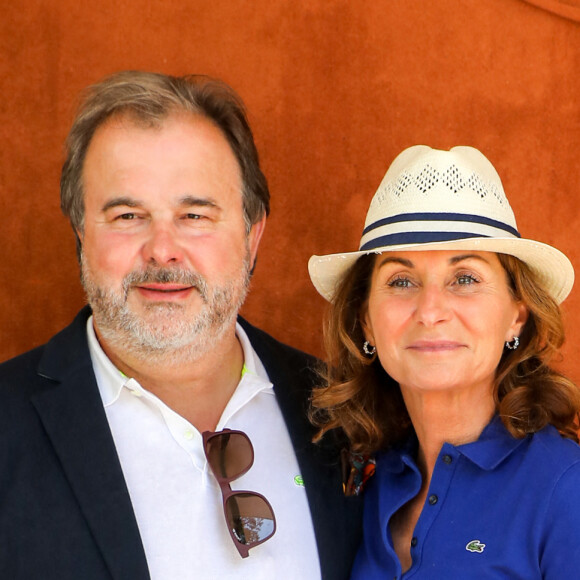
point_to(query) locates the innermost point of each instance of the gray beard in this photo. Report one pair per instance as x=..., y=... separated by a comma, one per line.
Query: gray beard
x=165, y=333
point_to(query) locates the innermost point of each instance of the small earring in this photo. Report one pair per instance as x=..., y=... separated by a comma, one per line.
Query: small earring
x=369, y=348
x=513, y=344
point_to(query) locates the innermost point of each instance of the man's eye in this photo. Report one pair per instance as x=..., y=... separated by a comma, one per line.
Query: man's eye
x=126, y=216
x=194, y=216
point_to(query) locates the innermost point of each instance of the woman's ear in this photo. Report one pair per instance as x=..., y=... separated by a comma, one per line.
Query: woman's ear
x=365, y=323
x=520, y=318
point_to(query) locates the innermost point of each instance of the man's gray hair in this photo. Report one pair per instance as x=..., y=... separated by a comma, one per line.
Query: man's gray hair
x=149, y=98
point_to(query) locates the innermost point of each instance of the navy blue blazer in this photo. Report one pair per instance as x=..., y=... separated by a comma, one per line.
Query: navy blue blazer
x=65, y=512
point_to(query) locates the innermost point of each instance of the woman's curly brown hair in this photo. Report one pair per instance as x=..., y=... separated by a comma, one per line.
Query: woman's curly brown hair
x=360, y=398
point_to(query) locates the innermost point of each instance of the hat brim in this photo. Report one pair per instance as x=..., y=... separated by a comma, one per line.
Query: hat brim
x=552, y=267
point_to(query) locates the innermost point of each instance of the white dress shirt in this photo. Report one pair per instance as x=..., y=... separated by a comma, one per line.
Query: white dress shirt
x=176, y=499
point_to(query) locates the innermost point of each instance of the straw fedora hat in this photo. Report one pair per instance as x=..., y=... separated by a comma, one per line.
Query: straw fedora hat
x=444, y=200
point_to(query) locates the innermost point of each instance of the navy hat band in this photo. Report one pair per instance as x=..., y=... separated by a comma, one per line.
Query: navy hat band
x=416, y=238
x=442, y=217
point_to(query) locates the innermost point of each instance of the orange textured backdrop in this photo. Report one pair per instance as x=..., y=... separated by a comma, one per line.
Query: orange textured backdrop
x=335, y=89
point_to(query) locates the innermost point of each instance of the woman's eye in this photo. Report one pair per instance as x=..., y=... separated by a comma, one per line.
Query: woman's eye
x=466, y=279
x=400, y=283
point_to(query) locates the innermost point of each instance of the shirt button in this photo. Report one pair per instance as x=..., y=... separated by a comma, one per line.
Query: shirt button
x=135, y=393
x=413, y=542
x=433, y=499
x=447, y=459
x=188, y=434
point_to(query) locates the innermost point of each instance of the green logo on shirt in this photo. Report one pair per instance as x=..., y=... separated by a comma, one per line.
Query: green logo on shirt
x=298, y=480
x=475, y=546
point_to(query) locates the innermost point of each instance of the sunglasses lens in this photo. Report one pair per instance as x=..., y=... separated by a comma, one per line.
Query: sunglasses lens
x=229, y=454
x=250, y=518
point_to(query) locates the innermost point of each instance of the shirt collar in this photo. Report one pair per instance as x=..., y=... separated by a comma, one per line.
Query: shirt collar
x=111, y=380
x=395, y=460
x=252, y=364
x=253, y=381
x=493, y=446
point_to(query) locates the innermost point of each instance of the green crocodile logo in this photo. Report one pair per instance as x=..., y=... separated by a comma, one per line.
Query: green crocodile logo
x=475, y=546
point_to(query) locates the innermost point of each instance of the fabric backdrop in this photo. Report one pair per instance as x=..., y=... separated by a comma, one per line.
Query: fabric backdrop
x=335, y=90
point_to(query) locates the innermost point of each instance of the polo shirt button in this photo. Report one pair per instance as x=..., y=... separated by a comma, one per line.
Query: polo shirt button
x=413, y=542
x=447, y=459
x=433, y=499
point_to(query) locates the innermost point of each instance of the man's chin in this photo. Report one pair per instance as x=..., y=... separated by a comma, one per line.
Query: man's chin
x=154, y=338
x=163, y=329
x=140, y=307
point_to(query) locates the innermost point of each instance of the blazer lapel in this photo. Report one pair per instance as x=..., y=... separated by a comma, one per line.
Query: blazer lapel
x=72, y=413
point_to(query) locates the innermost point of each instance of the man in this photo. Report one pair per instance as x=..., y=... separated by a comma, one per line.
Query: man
x=104, y=430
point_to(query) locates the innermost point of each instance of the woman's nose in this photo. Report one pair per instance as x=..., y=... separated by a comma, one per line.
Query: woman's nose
x=432, y=305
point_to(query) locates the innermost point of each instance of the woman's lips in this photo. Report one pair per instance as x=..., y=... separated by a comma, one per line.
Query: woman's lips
x=435, y=345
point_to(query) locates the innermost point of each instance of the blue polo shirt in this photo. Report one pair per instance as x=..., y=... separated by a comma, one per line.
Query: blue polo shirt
x=496, y=508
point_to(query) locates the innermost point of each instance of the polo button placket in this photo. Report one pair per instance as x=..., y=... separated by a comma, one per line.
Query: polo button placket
x=445, y=468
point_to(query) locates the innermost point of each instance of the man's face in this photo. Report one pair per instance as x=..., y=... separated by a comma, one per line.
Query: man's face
x=165, y=253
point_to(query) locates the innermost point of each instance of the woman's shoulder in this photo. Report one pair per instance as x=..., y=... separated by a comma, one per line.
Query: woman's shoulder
x=555, y=449
x=557, y=461
x=561, y=503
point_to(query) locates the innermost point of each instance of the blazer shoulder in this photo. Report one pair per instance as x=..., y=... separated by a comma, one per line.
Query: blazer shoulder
x=68, y=349
x=22, y=368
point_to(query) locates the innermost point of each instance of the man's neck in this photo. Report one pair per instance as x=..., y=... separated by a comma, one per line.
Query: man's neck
x=197, y=387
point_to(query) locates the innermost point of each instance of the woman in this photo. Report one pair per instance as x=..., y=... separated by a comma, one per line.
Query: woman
x=441, y=331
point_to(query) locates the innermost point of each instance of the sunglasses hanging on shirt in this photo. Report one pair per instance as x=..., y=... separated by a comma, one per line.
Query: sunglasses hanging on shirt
x=249, y=515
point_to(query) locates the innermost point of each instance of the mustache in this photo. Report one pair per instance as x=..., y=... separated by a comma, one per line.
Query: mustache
x=155, y=274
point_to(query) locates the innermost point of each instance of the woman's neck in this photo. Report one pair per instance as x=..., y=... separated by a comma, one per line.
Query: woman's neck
x=439, y=417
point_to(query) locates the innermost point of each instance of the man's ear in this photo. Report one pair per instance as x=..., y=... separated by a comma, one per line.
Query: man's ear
x=254, y=238
x=79, y=241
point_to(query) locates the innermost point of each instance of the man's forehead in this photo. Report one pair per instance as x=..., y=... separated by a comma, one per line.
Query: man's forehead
x=134, y=119
x=126, y=121
x=188, y=169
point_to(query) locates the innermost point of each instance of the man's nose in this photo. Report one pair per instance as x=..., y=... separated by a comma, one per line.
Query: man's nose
x=162, y=245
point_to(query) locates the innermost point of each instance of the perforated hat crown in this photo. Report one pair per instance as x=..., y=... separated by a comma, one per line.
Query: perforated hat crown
x=447, y=200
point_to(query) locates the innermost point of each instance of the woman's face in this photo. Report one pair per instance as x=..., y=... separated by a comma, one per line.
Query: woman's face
x=440, y=319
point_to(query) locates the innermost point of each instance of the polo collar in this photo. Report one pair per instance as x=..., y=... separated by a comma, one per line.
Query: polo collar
x=494, y=445
x=395, y=460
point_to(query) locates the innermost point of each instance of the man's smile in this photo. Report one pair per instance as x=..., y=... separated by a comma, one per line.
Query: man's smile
x=164, y=291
